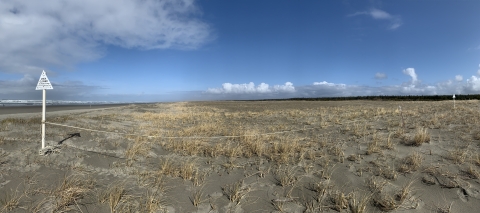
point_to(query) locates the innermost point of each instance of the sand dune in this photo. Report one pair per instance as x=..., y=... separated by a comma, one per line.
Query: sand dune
x=292, y=156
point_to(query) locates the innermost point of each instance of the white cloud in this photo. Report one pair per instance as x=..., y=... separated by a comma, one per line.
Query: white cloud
x=288, y=87
x=263, y=88
x=473, y=85
x=229, y=88
x=329, y=89
x=324, y=83
x=379, y=14
x=24, y=86
x=38, y=34
x=411, y=73
x=458, y=78
x=395, y=21
x=380, y=75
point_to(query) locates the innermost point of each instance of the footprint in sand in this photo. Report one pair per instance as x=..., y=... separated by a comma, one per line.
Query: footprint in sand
x=473, y=192
x=462, y=194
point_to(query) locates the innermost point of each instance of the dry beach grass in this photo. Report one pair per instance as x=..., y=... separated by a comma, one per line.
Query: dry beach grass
x=286, y=156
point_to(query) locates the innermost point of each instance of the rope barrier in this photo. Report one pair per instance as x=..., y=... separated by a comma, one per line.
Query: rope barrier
x=54, y=148
x=190, y=137
x=92, y=130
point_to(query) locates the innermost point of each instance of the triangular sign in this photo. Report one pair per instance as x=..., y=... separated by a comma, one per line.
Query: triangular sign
x=43, y=82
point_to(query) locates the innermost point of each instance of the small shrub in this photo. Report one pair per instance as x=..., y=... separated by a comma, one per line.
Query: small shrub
x=411, y=163
x=358, y=204
x=376, y=184
x=339, y=200
x=10, y=201
x=286, y=177
x=422, y=136
x=3, y=157
x=354, y=157
x=321, y=189
x=198, y=197
x=113, y=195
x=372, y=147
x=188, y=170
x=72, y=189
x=459, y=155
x=385, y=202
x=476, y=159
x=471, y=172
x=390, y=145
x=236, y=191
x=402, y=197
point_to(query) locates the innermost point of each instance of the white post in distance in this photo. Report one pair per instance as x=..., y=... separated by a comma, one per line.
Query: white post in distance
x=43, y=84
x=453, y=101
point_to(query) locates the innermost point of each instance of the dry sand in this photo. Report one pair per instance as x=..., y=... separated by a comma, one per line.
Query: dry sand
x=294, y=156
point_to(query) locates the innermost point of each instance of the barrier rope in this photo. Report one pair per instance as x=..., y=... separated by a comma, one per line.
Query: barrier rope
x=178, y=137
x=54, y=148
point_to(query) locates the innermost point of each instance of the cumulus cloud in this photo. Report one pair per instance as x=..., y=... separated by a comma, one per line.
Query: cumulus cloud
x=287, y=87
x=473, y=85
x=331, y=89
x=380, y=76
x=395, y=21
x=326, y=89
x=324, y=83
x=458, y=78
x=411, y=73
x=229, y=88
x=38, y=34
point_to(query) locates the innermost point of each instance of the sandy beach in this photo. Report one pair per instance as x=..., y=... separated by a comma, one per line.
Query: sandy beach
x=5, y=109
x=239, y=156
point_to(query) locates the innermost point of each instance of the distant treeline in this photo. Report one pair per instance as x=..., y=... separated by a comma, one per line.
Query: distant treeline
x=386, y=98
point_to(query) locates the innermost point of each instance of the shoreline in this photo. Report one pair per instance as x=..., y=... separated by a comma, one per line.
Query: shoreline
x=8, y=110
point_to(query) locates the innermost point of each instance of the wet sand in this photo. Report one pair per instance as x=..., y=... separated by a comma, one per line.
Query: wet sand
x=51, y=108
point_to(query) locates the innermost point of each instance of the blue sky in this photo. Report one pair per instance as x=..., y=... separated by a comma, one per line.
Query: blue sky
x=180, y=50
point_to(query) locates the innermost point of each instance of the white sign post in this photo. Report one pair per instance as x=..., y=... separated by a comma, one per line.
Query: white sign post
x=43, y=84
x=454, y=101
